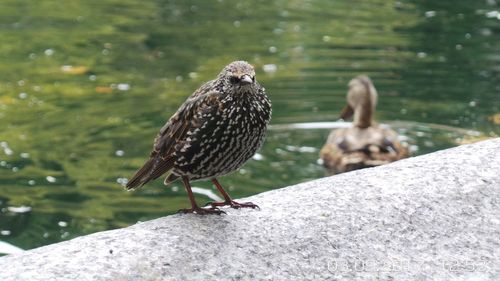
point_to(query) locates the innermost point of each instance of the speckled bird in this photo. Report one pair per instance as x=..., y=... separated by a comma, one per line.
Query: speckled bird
x=214, y=132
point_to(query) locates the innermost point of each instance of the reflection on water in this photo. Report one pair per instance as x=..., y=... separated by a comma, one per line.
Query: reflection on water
x=85, y=86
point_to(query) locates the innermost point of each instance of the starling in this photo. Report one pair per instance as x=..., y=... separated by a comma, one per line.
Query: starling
x=213, y=133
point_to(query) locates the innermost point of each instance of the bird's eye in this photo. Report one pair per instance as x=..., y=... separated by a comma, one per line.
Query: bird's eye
x=234, y=79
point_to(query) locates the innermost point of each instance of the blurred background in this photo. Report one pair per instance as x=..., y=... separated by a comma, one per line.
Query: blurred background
x=86, y=85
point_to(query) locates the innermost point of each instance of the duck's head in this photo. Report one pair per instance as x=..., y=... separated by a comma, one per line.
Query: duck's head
x=361, y=101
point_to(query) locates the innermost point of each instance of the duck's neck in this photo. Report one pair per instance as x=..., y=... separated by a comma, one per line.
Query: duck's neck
x=363, y=113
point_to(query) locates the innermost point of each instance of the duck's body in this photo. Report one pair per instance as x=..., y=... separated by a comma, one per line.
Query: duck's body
x=365, y=144
x=355, y=148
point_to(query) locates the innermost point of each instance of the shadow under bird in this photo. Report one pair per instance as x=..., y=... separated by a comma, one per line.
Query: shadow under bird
x=213, y=133
x=365, y=144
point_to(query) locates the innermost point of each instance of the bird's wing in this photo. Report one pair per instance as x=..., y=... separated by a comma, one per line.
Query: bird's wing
x=187, y=118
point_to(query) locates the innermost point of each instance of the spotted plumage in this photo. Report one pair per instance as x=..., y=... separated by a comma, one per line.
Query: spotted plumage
x=214, y=132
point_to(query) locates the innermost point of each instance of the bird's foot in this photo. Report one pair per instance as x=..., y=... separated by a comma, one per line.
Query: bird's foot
x=202, y=211
x=233, y=204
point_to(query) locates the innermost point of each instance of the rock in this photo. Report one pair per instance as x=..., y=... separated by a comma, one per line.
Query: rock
x=6, y=248
x=432, y=217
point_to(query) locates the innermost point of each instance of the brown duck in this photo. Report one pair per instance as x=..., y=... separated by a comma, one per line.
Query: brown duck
x=365, y=144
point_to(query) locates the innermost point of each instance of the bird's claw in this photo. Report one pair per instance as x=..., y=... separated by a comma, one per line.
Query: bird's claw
x=202, y=211
x=233, y=204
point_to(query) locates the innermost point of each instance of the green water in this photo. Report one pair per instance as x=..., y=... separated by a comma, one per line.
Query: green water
x=69, y=136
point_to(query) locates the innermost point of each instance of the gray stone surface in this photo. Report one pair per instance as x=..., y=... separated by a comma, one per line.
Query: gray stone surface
x=433, y=217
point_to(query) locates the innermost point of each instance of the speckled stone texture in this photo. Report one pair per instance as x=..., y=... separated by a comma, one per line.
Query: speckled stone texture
x=433, y=217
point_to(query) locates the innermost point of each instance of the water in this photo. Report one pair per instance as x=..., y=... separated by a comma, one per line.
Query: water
x=86, y=85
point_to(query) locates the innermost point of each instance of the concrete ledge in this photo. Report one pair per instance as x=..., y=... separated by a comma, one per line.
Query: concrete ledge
x=433, y=217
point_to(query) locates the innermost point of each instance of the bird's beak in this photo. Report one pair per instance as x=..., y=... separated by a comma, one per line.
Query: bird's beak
x=246, y=79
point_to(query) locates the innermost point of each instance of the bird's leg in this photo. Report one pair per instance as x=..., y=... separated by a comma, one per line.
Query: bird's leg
x=227, y=199
x=194, y=206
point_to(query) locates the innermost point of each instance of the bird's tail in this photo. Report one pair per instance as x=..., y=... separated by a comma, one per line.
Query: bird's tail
x=152, y=169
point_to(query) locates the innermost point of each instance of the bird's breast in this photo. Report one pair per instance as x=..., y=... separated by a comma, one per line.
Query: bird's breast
x=227, y=138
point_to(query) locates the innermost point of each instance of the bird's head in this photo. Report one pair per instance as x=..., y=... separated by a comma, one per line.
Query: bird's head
x=361, y=101
x=238, y=75
x=361, y=92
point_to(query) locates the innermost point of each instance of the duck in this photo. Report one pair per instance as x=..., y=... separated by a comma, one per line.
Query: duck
x=365, y=143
